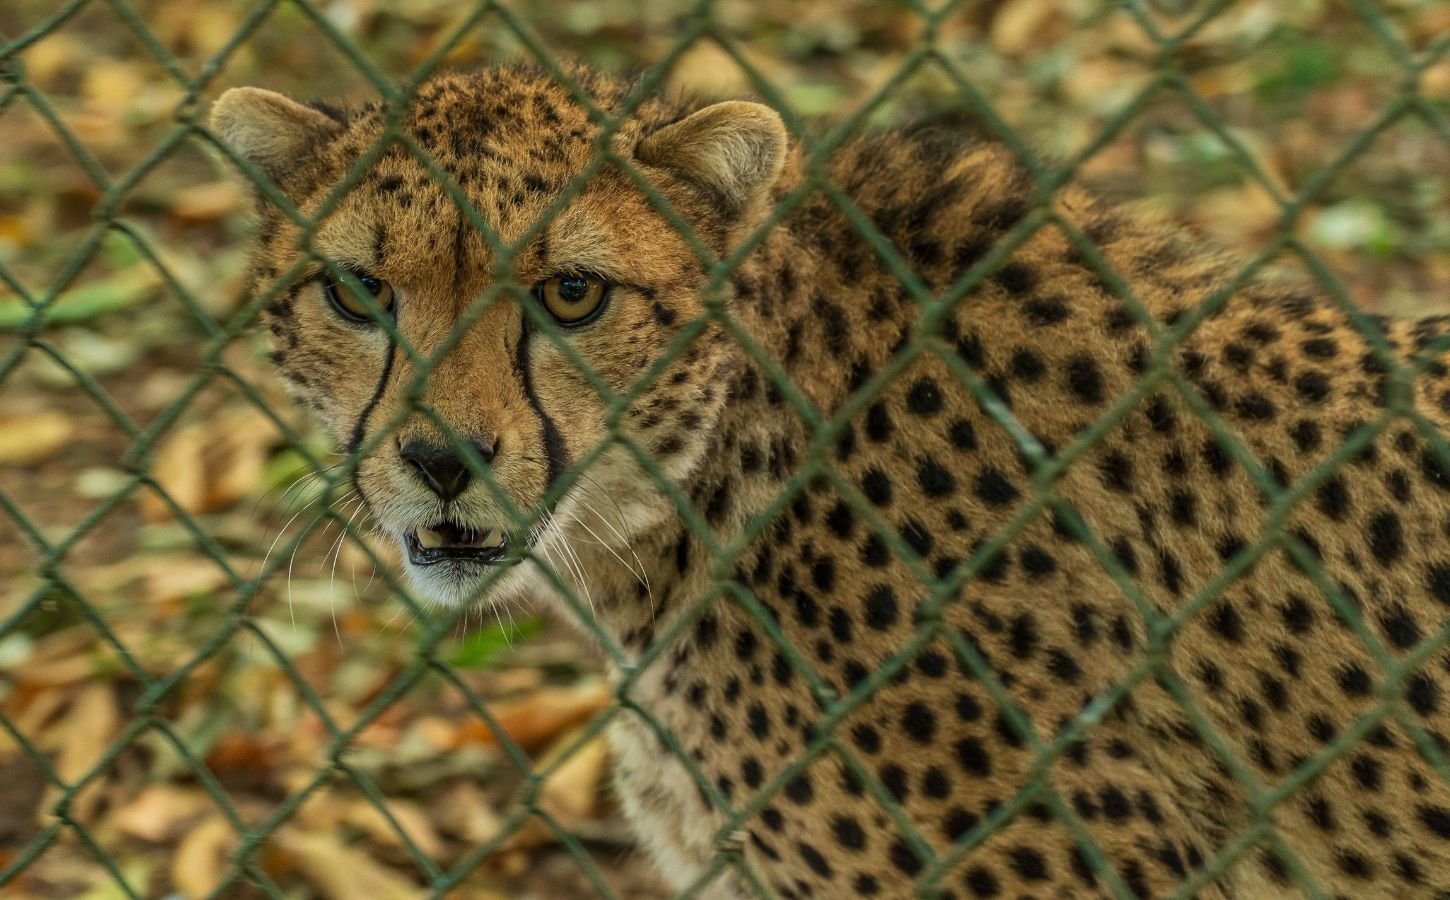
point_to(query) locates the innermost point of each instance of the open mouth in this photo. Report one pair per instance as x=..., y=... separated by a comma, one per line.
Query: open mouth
x=451, y=542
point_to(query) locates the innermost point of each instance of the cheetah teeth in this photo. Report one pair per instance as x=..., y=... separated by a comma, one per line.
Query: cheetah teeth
x=486, y=539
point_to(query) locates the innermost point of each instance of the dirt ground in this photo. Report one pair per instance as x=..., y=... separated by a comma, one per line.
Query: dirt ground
x=142, y=485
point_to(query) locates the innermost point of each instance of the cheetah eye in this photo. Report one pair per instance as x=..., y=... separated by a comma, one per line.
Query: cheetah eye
x=572, y=299
x=350, y=306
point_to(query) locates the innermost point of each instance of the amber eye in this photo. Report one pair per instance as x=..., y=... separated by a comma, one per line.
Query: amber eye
x=350, y=306
x=572, y=299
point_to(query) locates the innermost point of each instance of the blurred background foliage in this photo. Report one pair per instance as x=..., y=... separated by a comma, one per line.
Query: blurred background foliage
x=1295, y=81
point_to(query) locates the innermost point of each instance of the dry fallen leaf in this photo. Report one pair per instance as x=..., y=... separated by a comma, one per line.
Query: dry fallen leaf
x=571, y=792
x=33, y=437
x=180, y=471
x=409, y=816
x=1021, y=26
x=208, y=466
x=537, y=718
x=158, y=811
x=342, y=872
x=464, y=811
x=199, y=204
x=201, y=858
x=79, y=739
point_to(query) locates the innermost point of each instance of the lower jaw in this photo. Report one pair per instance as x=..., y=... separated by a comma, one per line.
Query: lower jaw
x=455, y=557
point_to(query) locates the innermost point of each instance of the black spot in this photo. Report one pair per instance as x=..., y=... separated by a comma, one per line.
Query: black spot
x=1024, y=636
x=1029, y=864
x=878, y=423
x=1226, y=621
x=1306, y=436
x=849, y=833
x=972, y=757
x=1298, y=616
x=1016, y=278
x=874, y=552
x=1422, y=693
x=924, y=398
x=841, y=520
x=1255, y=407
x=799, y=790
x=866, y=738
x=1084, y=379
x=963, y=436
x=1027, y=366
x=1366, y=771
x=1436, y=819
x=1400, y=627
x=815, y=860
x=935, y=480
x=877, y=487
x=1313, y=386
x=904, y=859
x=1036, y=562
x=881, y=608
x=1046, y=310
x=917, y=537
x=919, y=723
x=1333, y=498
x=981, y=882
x=1063, y=667
x=1386, y=538
x=993, y=488
x=751, y=773
x=1117, y=472
x=1438, y=581
x=1354, y=681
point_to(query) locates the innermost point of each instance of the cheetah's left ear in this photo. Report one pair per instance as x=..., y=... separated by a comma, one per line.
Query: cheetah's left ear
x=735, y=148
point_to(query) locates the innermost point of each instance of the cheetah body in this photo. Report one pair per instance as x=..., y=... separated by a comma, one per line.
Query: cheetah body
x=930, y=663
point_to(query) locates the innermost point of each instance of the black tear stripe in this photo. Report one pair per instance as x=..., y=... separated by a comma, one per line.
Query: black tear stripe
x=553, y=442
x=359, y=430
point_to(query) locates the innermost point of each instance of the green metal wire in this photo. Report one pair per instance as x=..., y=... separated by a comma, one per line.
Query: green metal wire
x=924, y=342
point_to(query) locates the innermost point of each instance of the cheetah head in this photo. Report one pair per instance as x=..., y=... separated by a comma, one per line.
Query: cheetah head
x=477, y=306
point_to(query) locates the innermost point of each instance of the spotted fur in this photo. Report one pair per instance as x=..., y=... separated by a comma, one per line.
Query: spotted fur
x=1273, y=669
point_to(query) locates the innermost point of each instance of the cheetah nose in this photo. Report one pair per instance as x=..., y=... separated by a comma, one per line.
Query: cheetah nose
x=442, y=470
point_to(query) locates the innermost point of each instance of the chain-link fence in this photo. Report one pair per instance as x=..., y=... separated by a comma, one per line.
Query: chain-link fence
x=1269, y=210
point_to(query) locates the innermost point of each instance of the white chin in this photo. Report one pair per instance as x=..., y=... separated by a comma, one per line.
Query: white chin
x=447, y=584
x=454, y=585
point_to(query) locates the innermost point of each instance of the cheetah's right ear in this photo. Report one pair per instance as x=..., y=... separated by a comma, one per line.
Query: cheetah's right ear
x=735, y=148
x=270, y=131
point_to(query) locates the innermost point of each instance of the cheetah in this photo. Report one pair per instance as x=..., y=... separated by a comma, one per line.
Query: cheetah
x=1032, y=550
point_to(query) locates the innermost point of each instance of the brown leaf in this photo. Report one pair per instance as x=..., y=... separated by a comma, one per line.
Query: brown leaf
x=1021, y=26
x=534, y=720
x=208, y=466
x=201, y=858
x=464, y=811
x=180, y=471
x=571, y=792
x=33, y=437
x=157, y=813
x=200, y=204
x=409, y=816
x=340, y=871
x=80, y=738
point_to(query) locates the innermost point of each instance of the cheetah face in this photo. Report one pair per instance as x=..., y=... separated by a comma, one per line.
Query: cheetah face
x=476, y=333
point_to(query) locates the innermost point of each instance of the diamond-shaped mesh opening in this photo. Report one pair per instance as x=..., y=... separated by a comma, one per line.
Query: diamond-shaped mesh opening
x=273, y=687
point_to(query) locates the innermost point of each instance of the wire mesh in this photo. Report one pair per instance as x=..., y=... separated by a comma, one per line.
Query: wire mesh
x=429, y=658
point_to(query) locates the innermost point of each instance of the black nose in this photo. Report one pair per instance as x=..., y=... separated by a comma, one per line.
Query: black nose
x=444, y=471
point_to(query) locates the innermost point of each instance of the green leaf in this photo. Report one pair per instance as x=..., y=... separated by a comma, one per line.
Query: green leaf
x=480, y=649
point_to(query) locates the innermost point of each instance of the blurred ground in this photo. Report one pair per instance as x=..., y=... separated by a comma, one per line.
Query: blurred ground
x=1294, y=84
